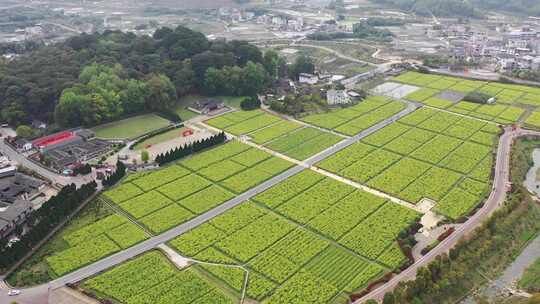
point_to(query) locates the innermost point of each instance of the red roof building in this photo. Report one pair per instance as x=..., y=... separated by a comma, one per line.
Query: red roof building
x=53, y=139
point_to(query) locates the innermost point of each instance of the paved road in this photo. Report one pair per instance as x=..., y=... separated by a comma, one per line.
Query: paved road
x=30, y=294
x=175, y=232
x=17, y=157
x=37, y=294
x=349, y=141
x=495, y=200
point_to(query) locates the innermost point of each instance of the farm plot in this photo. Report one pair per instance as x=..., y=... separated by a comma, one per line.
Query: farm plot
x=252, y=124
x=320, y=197
x=206, y=199
x=415, y=162
x=422, y=94
x=512, y=101
x=437, y=102
x=418, y=116
x=255, y=175
x=215, y=155
x=373, y=235
x=145, y=204
x=128, y=283
x=287, y=137
x=289, y=263
x=339, y=219
x=499, y=113
x=274, y=131
x=160, y=177
x=184, y=187
x=94, y=242
x=166, y=218
x=399, y=175
x=456, y=203
x=352, y=120
x=243, y=122
x=533, y=120
x=370, y=166
x=363, y=122
x=288, y=189
x=347, y=157
x=123, y=192
x=303, y=143
x=418, y=79
x=442, y=83
x=177, y=193
x=250, y=157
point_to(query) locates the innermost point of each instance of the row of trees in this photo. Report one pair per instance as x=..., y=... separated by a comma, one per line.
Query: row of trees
x=361, y=30
x=189, y=149
x=118, y=174
x=42, y=221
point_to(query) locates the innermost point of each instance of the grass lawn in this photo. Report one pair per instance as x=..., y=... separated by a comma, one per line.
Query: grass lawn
x=35, y=270
x=184, y=113
x=132, y=127
x=174, y=133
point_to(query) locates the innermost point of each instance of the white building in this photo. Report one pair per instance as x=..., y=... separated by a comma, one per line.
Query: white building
x=335, y=97
x=308, y=78
x=507, y=64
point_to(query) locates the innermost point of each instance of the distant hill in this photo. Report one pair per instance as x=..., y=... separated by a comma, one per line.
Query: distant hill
x=464, y=8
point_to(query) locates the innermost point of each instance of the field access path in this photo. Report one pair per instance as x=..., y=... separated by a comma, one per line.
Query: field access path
x=495, y=200
x=39, y=294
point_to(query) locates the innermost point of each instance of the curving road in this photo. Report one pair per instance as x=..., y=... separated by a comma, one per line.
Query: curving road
x=48, y=174
x=495, y=199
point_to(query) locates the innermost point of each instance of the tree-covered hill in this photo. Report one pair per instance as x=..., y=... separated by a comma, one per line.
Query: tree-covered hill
x=106, y=76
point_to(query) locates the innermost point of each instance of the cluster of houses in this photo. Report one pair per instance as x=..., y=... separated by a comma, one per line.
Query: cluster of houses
x=506, y=47
x=17, y=190
x=273, y=20
x=63, y=150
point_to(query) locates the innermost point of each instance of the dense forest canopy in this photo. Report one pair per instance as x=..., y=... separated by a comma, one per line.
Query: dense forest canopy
x=461, y=8
x=93, y=78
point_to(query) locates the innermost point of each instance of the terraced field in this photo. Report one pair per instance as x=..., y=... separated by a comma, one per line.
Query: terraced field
x=427, y=154
x=514, y=102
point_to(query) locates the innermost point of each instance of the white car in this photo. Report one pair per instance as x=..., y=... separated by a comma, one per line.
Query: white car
x=14, y=292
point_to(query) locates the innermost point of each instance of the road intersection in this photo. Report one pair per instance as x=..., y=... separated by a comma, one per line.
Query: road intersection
x=39, y=294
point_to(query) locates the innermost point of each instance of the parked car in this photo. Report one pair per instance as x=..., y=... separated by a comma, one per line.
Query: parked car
x=14, y=292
